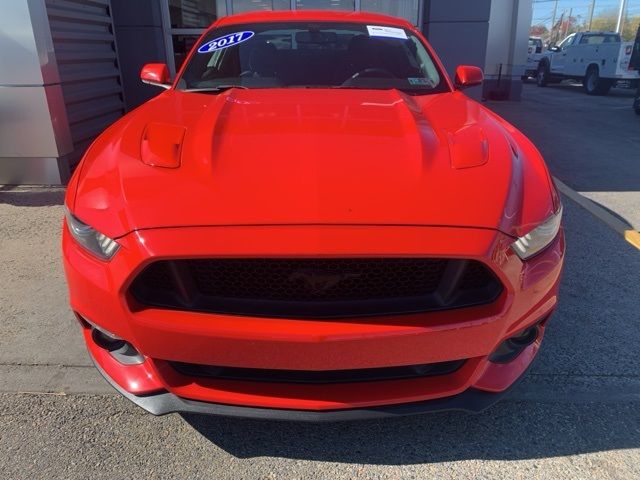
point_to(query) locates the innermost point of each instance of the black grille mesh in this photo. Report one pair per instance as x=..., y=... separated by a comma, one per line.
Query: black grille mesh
x=315, y=287
x=158, y=277
x=316, y=279
x=475, y=276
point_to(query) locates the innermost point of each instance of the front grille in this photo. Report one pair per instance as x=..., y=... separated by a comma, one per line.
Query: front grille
x=313, y=287
x=314, y=279
x=317, y=377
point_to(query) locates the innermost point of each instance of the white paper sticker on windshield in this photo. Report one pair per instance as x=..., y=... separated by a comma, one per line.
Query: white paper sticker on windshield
x=389, y=32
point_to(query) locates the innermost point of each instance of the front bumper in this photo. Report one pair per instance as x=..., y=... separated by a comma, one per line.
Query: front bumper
x=98, y=292
x=162, y=403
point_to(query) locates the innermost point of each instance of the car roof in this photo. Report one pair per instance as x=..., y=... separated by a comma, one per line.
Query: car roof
x=262, y=16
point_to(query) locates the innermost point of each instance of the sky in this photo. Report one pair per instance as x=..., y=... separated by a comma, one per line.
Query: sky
x=543, y=9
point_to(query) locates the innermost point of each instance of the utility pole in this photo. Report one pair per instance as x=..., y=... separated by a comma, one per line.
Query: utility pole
x=591, y=10
x=553, y=21
x=566, y=30
x=620, y=25
x=560, y=25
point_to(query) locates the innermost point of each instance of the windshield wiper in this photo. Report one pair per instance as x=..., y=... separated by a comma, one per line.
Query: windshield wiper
x=322, y=87
x=216, y=89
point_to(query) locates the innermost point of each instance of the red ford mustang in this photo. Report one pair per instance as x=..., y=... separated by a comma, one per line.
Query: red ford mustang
x=312, y=222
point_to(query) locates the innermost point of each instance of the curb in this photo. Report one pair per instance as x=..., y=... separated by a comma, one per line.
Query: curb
x=629, y=234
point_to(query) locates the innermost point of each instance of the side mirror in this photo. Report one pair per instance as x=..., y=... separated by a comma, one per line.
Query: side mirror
x=156, y=74
x=468, y=76
x=554, y=48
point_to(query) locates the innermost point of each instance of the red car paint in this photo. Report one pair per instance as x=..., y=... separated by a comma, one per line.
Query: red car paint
x=309, y=173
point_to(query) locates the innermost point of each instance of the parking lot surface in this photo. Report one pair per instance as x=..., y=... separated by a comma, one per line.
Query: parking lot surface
x=590, y=143
x=575, y=415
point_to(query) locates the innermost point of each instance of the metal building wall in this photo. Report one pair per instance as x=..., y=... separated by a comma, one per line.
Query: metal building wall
x=139, y=33
x=33, y=125
x=491, y=34
x=458, y=31
x=507, y=44
x=86, y=53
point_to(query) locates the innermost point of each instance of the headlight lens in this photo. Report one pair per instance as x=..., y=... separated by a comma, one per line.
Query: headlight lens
x=94, y=241
x=538, y=238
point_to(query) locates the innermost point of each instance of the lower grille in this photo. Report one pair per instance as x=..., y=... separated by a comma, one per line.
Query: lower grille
x=317, y=377
x=315, y=288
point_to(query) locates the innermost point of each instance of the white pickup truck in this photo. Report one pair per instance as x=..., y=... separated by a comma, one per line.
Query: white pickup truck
x=534, y=54
x=598, y=59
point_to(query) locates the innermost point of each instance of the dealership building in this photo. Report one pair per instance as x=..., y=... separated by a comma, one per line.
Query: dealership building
x=70, y=67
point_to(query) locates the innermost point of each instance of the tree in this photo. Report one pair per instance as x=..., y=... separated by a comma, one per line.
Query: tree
x=631, y=25
x=539, y=31
x=568, y=26
x=607, y=20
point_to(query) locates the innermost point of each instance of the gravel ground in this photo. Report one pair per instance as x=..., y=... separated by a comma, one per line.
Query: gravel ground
x=33, y=297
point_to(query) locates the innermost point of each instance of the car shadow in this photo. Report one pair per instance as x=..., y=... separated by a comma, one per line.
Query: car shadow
x=508, y=431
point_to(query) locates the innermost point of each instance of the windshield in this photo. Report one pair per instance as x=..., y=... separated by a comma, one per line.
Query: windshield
x=312, y=55
x=567, y=41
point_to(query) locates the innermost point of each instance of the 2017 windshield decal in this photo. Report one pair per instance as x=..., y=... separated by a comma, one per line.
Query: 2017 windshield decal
x=226, y=41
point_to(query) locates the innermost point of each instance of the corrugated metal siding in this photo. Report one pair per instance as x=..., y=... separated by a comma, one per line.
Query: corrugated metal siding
x=84, y=43
x=190, y=12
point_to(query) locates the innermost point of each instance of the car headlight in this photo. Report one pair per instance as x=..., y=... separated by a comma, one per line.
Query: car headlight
x=97, y=243
x=539, y=238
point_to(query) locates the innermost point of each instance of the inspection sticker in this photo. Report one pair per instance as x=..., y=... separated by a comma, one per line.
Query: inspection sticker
x=420, y=81
x=226, y=41
x=389, y=32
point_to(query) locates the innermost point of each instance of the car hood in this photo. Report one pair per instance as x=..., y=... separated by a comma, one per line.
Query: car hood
x=307, y=156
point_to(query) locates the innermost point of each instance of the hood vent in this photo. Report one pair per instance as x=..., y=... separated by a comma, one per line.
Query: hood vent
x=162, y=145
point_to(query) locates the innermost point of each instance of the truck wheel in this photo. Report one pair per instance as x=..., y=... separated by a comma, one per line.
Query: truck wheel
x=593, y=84
x=542, y=77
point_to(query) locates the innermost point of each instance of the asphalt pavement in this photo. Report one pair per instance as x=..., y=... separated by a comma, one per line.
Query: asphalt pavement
x=575, y=415
x=591, y=143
